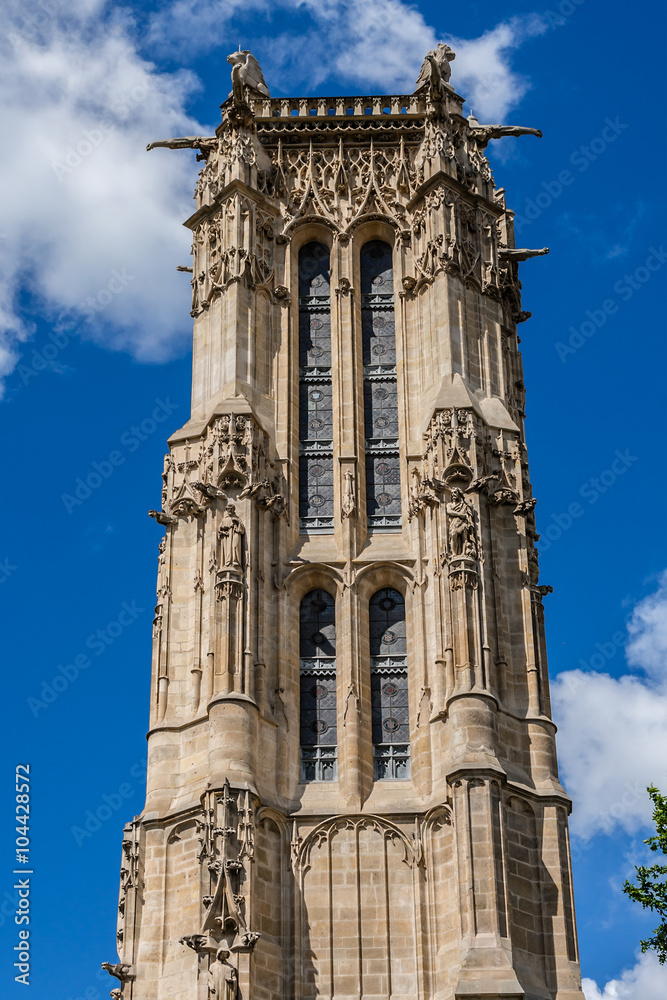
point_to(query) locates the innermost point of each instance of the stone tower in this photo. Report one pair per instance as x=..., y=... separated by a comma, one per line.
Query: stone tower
x=352, y=780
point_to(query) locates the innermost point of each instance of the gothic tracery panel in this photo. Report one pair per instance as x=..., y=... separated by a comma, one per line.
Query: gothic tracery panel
x=357, y=922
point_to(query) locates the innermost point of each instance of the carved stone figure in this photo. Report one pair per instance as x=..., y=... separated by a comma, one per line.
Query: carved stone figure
x=349, y=496
x=246, y=72
x=117, y=970
x=161, y=517
x=518, y=255
x=483, y=134
x=461, y=525
x=205, y=144
x=209, y=491
x=436, y=69
x=231, y=533
x=222, y=976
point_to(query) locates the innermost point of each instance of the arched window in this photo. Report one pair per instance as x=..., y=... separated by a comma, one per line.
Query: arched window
x=316, y=492
x=319, y=749
x=389, y=685
x=383, y=479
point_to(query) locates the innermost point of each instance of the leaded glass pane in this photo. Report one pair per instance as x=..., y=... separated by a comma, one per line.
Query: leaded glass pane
x=383, y=494
x=315, y=392
x=316, y=488
x=390, y=714
x=315, y=410
x=383, y=484
x=378, y=330
x=381, y=409
x=318, y=725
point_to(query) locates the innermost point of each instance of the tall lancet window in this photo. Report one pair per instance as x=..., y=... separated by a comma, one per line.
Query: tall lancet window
x=389, y=685
x=383, y=478
x=316, y=491
x=319, y=751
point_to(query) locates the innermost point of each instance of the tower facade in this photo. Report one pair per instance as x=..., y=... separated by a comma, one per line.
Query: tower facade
x=352, y=783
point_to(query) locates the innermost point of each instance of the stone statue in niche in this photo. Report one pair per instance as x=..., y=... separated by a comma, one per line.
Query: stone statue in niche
x=222, y=977
x=462, y=541
x=231, y=534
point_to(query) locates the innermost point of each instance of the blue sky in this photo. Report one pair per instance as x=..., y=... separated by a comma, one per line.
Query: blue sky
x=94, y=358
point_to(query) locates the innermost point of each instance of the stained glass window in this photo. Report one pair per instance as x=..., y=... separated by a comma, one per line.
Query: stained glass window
x=389, y=686
x=316, y=500
x=383, y=478
x=319, y=751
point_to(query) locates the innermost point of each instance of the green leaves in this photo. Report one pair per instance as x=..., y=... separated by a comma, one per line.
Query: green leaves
x=650, y=886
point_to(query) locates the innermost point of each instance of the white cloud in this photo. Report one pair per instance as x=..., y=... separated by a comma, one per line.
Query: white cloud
x=83, y=202
x=612, y=737
x=648, y=634
x=373, y=46
x=82, y=198
x=482, y=70
x=647, y=980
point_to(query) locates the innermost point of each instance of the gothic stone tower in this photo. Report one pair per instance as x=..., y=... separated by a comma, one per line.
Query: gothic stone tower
x=352, y=780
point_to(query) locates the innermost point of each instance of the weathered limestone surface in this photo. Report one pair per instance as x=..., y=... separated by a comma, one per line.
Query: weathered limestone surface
x=238, y=879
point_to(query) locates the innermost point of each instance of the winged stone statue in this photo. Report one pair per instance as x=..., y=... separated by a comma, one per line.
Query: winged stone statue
x=246, y=72
x=436, y=69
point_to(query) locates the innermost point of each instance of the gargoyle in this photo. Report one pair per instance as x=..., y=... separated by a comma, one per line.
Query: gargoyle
x=210, y=491
x=194, y=941
x=205, y=144
x=525, y=507
x=485, y=484
x=483, y=134
x=505, y=253
x=161, y=517
x=118, y=971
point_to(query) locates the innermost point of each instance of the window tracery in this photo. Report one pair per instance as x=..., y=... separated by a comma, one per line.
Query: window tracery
x=390, y=713
x=383, y=479
x=316, y=490
x=318, y=722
